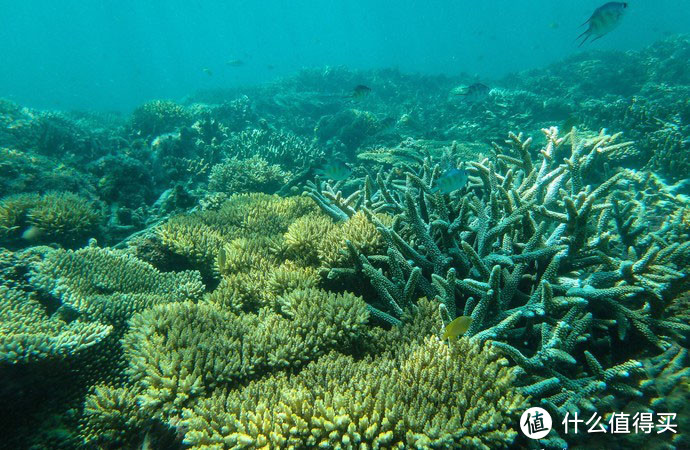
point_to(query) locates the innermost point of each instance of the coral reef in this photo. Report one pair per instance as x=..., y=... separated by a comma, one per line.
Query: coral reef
x=253, y=174
x=157, y=117
x=181, y=351
x=221, y=309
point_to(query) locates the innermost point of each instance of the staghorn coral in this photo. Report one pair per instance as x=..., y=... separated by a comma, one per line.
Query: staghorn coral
x=178, y=352
x=551, y=269
x=253, y=174
x=110, y=285
x=431, y=395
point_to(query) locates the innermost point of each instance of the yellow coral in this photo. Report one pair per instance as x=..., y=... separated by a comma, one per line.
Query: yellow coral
x=245, y=254
x=111, y=285
x=112, y=418
x=192, y=239
x=28, y=334
x=430, y=396
x=360, y=231
x=177, y=352
x=13, y=210
x=304, y=237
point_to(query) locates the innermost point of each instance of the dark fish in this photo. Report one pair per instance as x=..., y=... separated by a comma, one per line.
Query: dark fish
x=451, y=181
x=360, y=91
x=569, y=123
x=604, y=19
x=473, y=93
x=335, y=171
x=235, y=63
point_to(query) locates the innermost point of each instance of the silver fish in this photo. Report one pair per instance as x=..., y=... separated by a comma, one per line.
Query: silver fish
x=451, y=181
x=604, y=19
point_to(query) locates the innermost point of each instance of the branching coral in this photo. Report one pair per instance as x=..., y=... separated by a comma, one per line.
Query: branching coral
x=430, y=396
x=157, y=117
x=280, y=147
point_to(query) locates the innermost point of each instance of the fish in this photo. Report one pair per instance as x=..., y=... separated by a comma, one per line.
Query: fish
x=451, y=181
x=235, y=63
x=207, y=71
x=457, y=327
x=32, y=234
x=473, y=93
x=360, y=91
x=569, y=123
x=604, y=19
x=335, y=171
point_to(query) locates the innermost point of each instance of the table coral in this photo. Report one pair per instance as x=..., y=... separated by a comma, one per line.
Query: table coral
x=111, y=285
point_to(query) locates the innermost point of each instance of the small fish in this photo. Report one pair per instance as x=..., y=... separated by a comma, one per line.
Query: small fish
x=32, y=234
x=207, y=71
x=451, y=181
x=360, y=91
x=569, y=123
x=604, y=19
x=473, y=93
x=457, y=327
x=235, y=63
x=335, y=172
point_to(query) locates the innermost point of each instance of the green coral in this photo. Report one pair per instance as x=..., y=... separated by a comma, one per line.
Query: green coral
x=28, y=334
x=157, y=117
x=552, y=270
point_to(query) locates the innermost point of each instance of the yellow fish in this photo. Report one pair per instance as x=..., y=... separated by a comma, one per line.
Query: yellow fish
x=457, y=327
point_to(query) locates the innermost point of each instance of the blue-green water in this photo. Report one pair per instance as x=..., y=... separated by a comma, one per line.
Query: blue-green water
x=116, y=55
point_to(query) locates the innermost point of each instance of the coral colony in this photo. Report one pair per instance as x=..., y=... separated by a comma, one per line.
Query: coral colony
x=355, y=259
